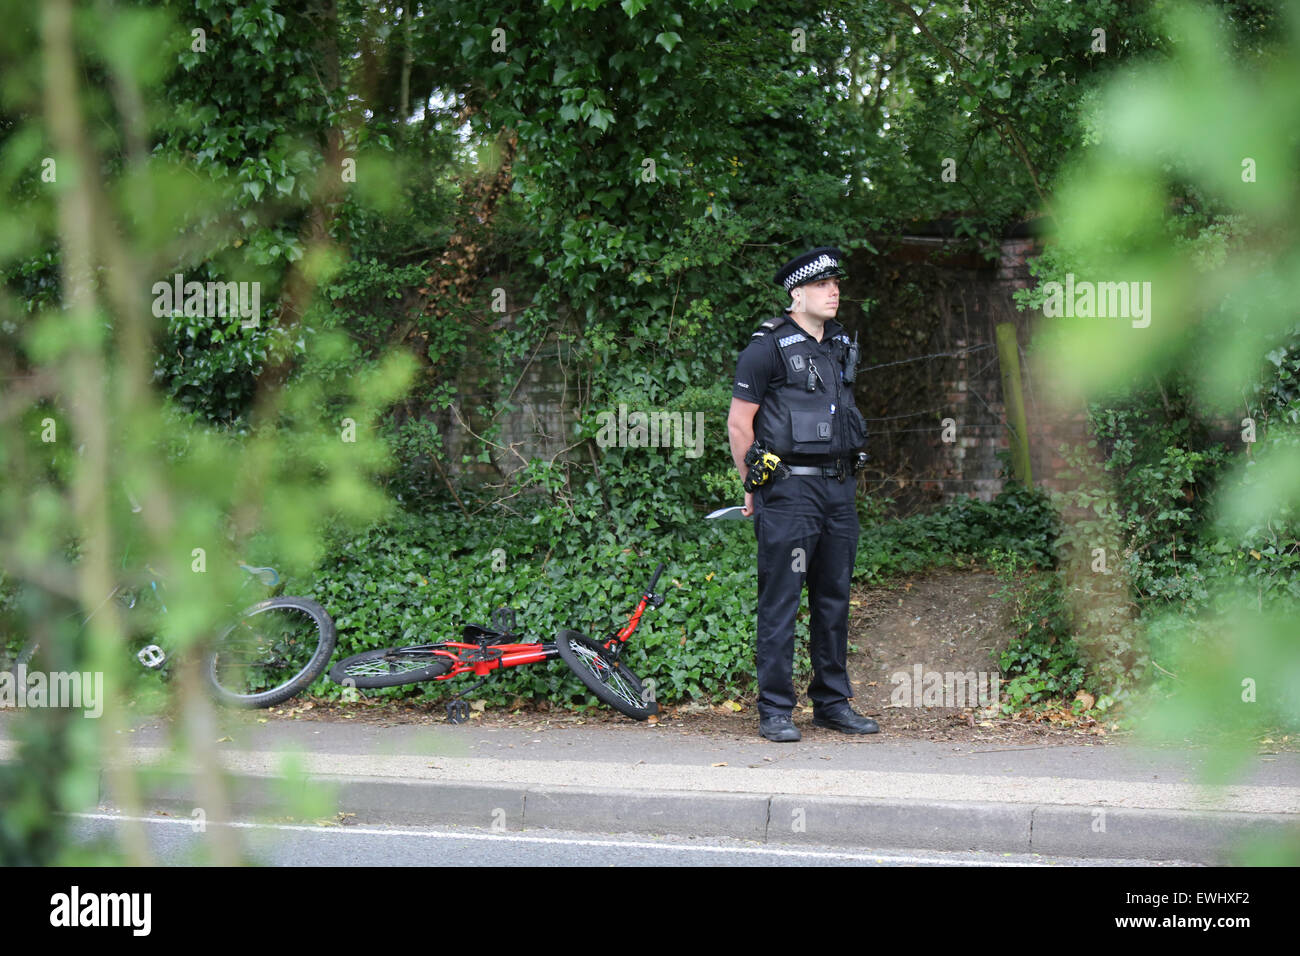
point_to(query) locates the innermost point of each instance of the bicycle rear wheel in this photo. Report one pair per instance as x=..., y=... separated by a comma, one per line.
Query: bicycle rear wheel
x=390, y=667
x=609, y=679
x=274, y=651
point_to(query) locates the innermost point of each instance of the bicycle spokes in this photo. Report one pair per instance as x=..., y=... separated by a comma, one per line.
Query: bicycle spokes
x=264, y=649
x=607, y=674
x=395, y=663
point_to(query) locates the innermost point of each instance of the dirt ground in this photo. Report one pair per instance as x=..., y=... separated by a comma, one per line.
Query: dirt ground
x=946, y=621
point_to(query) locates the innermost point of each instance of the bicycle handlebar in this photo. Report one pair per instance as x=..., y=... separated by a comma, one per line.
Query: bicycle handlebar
x=268, y=576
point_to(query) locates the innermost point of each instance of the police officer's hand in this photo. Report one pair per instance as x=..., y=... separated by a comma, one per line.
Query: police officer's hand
x=748, y=509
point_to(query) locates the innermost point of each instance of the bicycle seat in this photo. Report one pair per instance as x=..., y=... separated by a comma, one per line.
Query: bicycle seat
x=478, y=634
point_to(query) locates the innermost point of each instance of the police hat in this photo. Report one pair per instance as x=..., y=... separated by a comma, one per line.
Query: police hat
x=814, y=265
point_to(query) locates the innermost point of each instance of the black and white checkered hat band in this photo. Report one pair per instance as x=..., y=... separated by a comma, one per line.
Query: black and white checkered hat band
x=820, y=264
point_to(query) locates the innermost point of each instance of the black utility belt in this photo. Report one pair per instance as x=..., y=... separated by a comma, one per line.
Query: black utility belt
x=839, y=468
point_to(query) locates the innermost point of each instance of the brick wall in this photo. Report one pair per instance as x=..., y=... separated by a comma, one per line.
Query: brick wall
x=922, y=297
x=939, y=428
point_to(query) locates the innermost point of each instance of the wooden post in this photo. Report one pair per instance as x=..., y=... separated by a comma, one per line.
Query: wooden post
x=1009, y=360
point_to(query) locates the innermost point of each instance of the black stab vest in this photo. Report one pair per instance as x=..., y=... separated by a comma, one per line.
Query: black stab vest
x=800, y=426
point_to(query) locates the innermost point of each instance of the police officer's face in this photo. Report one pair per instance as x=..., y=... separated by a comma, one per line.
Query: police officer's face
x=820, y=299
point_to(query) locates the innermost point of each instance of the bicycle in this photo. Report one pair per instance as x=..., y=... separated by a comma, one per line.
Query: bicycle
x=483, y=650
x=272, y=651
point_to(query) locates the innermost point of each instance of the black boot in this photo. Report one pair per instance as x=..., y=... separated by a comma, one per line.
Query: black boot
x=845, y=719
x=780, y=728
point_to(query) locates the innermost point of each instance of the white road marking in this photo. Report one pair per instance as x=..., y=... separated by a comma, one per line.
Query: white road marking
x=630, y=844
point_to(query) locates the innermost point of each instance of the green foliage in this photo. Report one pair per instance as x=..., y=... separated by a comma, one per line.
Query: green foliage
x=1140, y=537
x=653, y=169
x=662, y=170
x=420, y=579
x=1017, y=521
x=211, y=365
x=99, y=425
x=1041, y=662
x=1170, y=194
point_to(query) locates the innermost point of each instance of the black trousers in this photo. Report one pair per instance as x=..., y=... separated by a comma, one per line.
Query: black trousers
x=807, y=530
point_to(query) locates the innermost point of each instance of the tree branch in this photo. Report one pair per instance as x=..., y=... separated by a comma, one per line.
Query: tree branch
x=1001, y=119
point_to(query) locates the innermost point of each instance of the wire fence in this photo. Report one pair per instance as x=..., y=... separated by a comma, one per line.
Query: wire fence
x=973, y=384
x=940, y=408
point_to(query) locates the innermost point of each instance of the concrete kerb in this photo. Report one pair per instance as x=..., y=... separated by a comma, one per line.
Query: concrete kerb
x=1197, y=836
x=915, y=824
x=683, y=813
x=785, y=819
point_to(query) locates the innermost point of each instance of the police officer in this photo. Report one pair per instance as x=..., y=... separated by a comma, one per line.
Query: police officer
x=790, y=395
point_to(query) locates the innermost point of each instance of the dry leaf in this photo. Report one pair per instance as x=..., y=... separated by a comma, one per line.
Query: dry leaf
x=723, y=764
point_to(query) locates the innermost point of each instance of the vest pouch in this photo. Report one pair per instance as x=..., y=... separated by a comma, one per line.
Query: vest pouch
x=855, y=427
x=811, y=432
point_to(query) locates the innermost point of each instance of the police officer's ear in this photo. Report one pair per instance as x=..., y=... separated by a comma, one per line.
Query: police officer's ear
x=797, y=296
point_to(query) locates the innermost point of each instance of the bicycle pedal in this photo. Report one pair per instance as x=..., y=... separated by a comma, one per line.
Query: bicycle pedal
x=503, y=619
x=457, y=712
x=152, y=656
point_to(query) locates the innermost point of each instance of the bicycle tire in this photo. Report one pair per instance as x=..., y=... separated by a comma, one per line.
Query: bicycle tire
x=610, y=680
x=288, y=652
x=389, y=667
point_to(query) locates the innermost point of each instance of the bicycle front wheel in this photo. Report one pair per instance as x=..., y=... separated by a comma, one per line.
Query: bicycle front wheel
x=608, y=679
x=390, y=667
x=274, y=651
